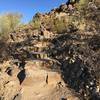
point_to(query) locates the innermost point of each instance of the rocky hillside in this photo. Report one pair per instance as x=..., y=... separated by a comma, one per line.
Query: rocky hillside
x=54, y=57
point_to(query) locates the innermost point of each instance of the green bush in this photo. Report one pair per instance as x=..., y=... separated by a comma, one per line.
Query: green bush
x=8, y=22
x=59, y=25
x=36, y=23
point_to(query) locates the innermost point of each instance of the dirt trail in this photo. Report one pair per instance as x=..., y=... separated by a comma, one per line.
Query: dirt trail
x=57, y=61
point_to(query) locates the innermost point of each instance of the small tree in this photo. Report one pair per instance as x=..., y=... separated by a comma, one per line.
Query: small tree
x=8, y=22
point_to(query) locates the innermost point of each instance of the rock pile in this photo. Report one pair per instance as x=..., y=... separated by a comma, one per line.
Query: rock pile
x=49, y=64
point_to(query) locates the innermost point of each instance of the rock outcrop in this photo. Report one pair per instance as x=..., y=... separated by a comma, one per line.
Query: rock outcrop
x=58, y=60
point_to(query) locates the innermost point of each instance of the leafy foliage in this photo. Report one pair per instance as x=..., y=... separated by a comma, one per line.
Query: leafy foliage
x=36, y=23
x=8, y=22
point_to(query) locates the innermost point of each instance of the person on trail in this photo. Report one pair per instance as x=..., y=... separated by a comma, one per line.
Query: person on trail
x=70, y=4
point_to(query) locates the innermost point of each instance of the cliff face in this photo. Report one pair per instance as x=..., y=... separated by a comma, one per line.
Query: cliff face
x=56, y=56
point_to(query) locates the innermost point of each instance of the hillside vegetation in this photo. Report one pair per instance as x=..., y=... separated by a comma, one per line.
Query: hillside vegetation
x=56, y=56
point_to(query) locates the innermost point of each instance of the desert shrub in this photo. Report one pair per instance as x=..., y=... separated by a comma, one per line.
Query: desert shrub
x=83, y=4
x=8, y=22
x=59, y=25
x=36, y=23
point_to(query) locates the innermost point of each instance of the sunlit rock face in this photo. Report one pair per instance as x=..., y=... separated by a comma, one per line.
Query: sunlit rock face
x=56, y=56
